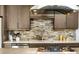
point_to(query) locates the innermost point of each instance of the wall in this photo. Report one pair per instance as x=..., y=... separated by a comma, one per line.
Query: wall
x=4, y=26
x=2, y=21
x=77, y=31
x=0, y=32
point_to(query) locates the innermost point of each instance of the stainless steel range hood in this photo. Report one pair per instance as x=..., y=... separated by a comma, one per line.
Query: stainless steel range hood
x=61, y=9
x=50, y=8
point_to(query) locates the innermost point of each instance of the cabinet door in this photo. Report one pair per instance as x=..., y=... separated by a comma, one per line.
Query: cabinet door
x=7, y=45
x=60, y=21
x=11, y=16
x=1, y=10
x=24, y=21
x=72, y=21
x=18, y=17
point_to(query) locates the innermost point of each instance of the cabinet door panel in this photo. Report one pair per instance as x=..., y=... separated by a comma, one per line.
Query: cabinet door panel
x=72, y=21
x=7, y=45
x=60, y=21
x=11, y=17
x=17, y=17
x=24, y=21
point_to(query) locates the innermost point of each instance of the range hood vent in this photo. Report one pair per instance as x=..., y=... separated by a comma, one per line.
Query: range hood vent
x=61, y=9
x=50, y=8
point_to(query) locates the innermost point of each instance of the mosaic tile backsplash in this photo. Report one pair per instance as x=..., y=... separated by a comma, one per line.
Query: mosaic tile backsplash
x=43, y=30
x=42, y=25
x=47, y=35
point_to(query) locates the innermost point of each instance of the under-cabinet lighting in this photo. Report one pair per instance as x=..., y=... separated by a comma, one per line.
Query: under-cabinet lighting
x=68, y=13
x=74, y=10
x=35, y=13
x=34, y=10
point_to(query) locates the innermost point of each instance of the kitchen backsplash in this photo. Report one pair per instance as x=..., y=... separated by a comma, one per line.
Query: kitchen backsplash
x=47, y=35
x=43, y=30
x=42, y=25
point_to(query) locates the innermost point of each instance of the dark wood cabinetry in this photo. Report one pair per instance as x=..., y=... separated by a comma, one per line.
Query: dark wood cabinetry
x=72, y=20
x=24, y=19
x=60, y=21
x=63, y=21
x=8, y=45
x=17, y=17
x=12, y=17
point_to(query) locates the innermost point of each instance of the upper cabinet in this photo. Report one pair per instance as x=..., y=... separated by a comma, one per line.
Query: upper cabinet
x=1, y=10
x=60, y=21
x=18, y=17
x=72, y=20
x=24, y=19
x=12, y=17
x=69, y=21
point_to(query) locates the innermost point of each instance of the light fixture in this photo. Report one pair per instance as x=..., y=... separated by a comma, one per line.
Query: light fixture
x=68, y=14
x=74, y=11
x=35, y=13
x=35, y=10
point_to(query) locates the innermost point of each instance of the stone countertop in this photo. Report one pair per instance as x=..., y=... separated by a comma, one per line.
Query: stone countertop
x=28, y=51
x=41, y=42
x=57, y=53
x=17, y=50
